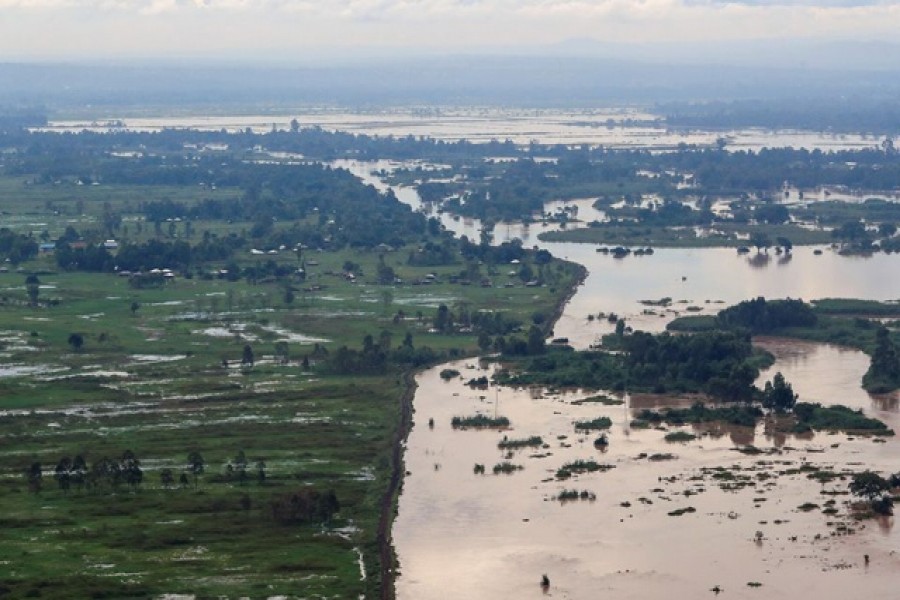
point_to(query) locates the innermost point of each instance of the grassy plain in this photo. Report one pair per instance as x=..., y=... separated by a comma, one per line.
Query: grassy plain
x=152, y=380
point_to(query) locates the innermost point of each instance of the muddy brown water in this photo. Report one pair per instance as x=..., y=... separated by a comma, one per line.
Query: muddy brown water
x=458, y=533
x=735, y=518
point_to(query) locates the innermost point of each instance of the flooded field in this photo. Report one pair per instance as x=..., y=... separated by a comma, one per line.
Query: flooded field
x=749, y=512
x=613, y=128
x=666, y=519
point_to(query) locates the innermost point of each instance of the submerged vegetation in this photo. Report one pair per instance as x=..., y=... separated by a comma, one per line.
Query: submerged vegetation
x=514, y=444
x=479, y=422
x=721, y=364
x=836, y=418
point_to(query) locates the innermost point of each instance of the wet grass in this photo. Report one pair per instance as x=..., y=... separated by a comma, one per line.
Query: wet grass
x=213, y=539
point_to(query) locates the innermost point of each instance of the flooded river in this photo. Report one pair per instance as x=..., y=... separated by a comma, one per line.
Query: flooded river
x=659, y=519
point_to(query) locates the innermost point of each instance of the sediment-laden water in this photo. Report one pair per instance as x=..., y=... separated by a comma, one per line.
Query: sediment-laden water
x=660, y=519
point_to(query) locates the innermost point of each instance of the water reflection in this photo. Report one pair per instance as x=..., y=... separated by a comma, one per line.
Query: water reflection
x=759, y=260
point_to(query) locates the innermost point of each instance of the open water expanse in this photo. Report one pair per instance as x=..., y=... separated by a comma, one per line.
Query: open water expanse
x=612, y=127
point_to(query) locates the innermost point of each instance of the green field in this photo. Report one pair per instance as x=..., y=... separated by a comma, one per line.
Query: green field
x=153, y=381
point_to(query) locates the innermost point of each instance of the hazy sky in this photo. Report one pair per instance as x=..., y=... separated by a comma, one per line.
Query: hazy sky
x=298, y=29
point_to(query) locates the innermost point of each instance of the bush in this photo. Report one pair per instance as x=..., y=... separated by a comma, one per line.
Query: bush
x=447, y=374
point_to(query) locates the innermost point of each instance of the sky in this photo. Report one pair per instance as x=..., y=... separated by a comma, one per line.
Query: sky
x=308, y=30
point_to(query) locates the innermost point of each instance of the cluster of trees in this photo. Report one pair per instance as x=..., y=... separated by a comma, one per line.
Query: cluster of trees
x=108, y=473
x=16, y=247
x=304, y=506
x=104, y=473
x=883, y=374
x=717, y=363
x=721, y=364
x=765, y=316
x=376, y=357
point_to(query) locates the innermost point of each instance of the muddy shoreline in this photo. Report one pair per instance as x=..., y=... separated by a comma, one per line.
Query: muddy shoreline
x=387, y=557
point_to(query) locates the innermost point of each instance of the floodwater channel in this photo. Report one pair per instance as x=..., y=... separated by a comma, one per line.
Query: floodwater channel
x=659, y=519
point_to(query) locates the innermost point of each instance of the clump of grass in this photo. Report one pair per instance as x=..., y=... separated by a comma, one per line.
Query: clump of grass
x=660, y=456
x=594, y=424
x=581, y=466
x=513, y=444
x=479, y=422
x=640, y=424
x=506, y=468
x=478, y=469
x=680, y=436
x=600, y=399
x=573, y=495
x=680, y=511
x=807, y=506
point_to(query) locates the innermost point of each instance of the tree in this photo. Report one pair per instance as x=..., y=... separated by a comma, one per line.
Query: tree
x=535, y=340
x=63, y=474
x=760, y=240
x=130, y=468
x=484, y=341
x=76, y=340
x=134, y=307
x=387, y=298
x=851, y=231
x=195, y=466
x=240, y=466
x=887, y=229
x=443, y=319
x=33, y=291
x=884, y=370
x=869, y=485
x=34, y=475
x=785, y=243
x=261, y=471
x=778, y=395
x=282, y=352
x=79, y=471
x=167, y=478
x=247, y=356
